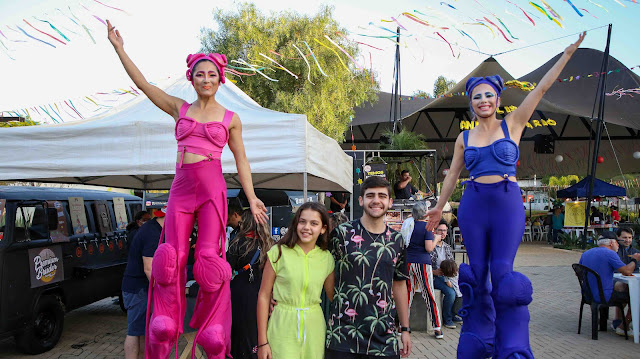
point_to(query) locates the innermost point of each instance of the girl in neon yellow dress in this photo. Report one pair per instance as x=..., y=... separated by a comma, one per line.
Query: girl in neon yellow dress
x=298, y=267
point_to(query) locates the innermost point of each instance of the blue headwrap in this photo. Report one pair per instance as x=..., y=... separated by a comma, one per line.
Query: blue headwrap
x=494, y=81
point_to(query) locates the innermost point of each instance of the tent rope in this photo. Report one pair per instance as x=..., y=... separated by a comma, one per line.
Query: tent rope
x=624, y=180
x=544, y=42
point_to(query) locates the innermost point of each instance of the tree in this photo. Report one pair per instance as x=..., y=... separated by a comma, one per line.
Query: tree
x=421, y=93
x=442, y=85
x=328, y=101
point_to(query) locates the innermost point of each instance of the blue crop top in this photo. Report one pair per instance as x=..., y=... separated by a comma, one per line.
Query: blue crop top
x=499, y=158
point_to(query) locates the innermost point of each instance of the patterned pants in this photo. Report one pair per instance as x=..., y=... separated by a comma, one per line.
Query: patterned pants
x=421, y=276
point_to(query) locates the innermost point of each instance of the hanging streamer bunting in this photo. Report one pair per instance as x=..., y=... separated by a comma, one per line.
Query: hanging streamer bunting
x=623, y=92
x=445, y=40
x=449, y=5
x=496, y=26
x=282, y=67
x=553, y=12
x=346, y=53
x=334, y=51
x=545, y=13
x=35, y=38
x=54, y=28
x=600, y=6
x=42, y=32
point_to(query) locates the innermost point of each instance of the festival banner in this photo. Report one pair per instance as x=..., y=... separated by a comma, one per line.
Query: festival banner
x=61, y=233
x=78, y=215
x=375, y=169
x=574, y=214
x=121, y=212
x=45, y=265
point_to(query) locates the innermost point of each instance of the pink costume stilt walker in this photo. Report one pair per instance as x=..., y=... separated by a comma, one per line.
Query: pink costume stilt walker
x=198, y=190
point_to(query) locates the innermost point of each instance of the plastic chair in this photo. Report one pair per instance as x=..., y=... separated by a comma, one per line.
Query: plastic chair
x=537, y=232
x=456, y=234
x=597, y=308
x=527, y=232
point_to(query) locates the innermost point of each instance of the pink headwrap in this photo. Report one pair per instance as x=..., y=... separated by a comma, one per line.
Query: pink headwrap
x=220, y=60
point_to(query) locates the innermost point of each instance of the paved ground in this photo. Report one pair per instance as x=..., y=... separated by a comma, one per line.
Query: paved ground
x=97, y=331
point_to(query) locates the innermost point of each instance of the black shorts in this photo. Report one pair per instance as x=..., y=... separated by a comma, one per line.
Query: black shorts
x=619, y=297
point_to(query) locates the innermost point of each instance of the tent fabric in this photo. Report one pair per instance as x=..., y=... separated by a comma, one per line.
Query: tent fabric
x=379, y=112
x=600, y=189
x=133, y=146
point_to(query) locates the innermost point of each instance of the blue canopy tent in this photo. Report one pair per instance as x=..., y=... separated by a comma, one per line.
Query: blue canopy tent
x=600, y=189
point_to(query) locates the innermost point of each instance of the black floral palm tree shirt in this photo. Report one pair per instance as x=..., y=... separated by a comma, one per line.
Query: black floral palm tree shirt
x=362, y=315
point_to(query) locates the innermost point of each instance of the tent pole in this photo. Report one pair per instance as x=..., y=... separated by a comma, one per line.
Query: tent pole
x=602, y=88
x=144, y=200
x=304, y=190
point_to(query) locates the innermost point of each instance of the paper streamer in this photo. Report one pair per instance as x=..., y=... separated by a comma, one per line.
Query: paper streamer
x=99, y=19
x=314, y=58
x=449, y=5
x=111, y=7
x=516, y=17
x=282, y=67
x=483, y=24
x=545, y=13
x=254, y=69
x=469, y=36
x=445, y=40
x=35, y=38
x=307, y=62
x=334, y=51
x=553, y=12
x=399, y=24
x=496, y=26
x=621, y=4
x=82, y=25
x=76, y=111
x=524, y=12
x=506, y=28
x=600, y=6
x=423, y=22
x=346, y=53
x=574, y=8
x=42, y=32
x=54, y=28
x=587, y=11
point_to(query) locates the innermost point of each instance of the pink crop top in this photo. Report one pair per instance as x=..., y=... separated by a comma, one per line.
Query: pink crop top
x=205, y=139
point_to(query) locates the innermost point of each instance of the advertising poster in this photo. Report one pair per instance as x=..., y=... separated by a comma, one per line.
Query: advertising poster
x=574, y=214
x=375, y=169
x=78, y=215
x=121, y=212
x=60, y=234
x=45, y=265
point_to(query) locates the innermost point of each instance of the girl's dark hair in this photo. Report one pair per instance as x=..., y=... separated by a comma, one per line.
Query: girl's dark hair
x=261, y=236
x=133, y=224
x=449, y=267
x=291, y=237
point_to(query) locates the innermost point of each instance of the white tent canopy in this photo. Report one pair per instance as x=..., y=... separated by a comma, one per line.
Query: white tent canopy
x=133, y=146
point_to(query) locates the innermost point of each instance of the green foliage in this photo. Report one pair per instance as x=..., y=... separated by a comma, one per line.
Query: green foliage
x=456, y=195
x=563, y=181
x=420, y=93
x=329, y=103
x=442, y=85
x=404, y=140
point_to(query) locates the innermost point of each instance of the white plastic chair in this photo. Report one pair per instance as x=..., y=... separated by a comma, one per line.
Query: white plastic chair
x=537, y=233
x=527, y=232
x=457, y=237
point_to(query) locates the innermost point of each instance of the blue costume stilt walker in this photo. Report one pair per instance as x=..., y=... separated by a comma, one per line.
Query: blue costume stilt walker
x=491, y=220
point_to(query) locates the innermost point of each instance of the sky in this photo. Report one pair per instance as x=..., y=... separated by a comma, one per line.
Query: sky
x=159, y=35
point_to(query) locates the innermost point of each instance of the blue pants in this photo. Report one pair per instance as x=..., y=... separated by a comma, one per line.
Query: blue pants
x=449, y=295
x=491, y=220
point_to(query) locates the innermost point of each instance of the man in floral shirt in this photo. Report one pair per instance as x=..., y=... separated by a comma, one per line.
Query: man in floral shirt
x=370, y=272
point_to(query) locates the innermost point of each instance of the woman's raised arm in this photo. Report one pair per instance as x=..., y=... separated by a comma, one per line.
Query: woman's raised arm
x=167, y=103
x=519, y=117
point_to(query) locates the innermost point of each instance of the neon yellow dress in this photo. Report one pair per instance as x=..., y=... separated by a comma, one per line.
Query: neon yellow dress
x=296, y=327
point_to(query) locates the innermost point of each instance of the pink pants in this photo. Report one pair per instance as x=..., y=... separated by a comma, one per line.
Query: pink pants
x=198, y=190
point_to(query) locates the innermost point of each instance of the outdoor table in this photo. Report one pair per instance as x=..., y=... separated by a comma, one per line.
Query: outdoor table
x=634, y=295
x=464, y=254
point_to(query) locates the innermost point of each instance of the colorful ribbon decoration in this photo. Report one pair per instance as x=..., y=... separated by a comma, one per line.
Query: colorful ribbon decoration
x=276, y=62
x=524, y=12
x=346, y=53
x=553, y=12
x=42, y=32
x=307, y=62
x=35, y=38
x=54, y=28
x=445, y=40
x=496, y=26
x=314, y=58
x=545, y=13
x=449, y=5
x=334, y=51
x=574, y=8
x=600, y=6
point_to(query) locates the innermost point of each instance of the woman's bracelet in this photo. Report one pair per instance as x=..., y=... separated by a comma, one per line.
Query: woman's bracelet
x=261, y=345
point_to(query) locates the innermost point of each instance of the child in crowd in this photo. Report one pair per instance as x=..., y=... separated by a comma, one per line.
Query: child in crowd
x=297, y=269
x=450, y=271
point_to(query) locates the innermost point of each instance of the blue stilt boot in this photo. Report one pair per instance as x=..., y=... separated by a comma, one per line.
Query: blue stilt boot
x=511, y=296
x=478, y=331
